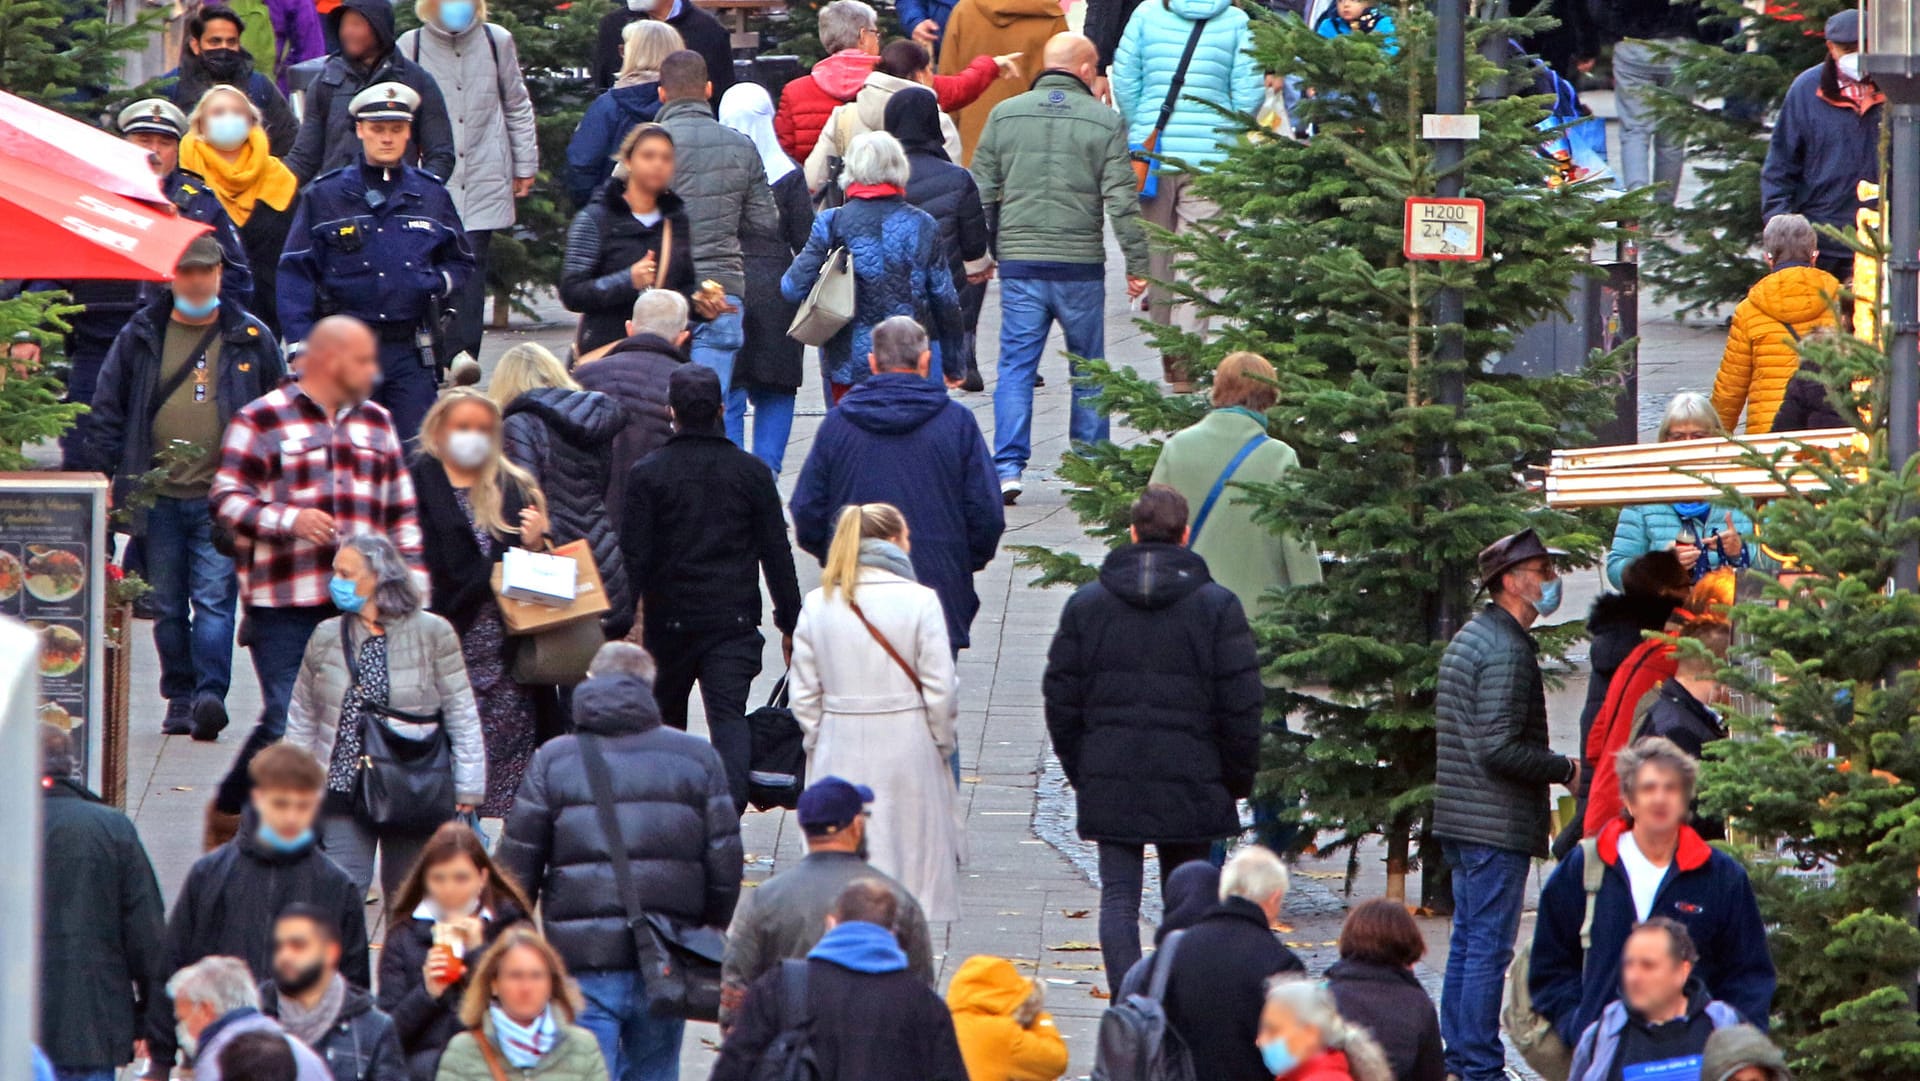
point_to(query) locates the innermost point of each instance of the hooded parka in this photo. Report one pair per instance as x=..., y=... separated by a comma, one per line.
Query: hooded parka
x=478, y=70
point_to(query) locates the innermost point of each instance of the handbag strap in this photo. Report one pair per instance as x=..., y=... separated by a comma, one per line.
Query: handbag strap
x=777, y=698
x=487, y=1051
x=666, y=250
x=1163, y=966
x=1179, y=78
x=1220, y=485
x=178, y=379
x=888, y=646
x=600, y=781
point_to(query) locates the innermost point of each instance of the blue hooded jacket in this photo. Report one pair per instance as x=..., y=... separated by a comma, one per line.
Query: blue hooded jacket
x=861, y=947
x=605, y=123
x=898, y=439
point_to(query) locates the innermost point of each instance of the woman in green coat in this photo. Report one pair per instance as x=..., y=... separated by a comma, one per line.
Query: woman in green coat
x=519, y=1013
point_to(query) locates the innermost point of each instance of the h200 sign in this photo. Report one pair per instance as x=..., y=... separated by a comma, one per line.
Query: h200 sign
x=1445, y=229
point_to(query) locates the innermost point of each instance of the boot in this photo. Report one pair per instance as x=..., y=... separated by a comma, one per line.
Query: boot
x=1179, y=376
x=219, y=829
x=974, y=382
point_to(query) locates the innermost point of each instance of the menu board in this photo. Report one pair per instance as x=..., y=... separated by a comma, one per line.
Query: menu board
x=53, y=557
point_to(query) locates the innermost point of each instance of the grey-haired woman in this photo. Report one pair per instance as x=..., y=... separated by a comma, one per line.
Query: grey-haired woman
x=409, y=661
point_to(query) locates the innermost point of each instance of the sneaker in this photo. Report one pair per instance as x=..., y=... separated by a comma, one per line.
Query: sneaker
x=209, y=717
x=1010, y=490
x=179, y=720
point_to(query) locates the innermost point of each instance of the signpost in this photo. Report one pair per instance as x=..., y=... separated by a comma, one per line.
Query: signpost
x=1444, y=230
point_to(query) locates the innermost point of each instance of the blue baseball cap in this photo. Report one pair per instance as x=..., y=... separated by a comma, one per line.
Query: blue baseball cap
x=831, y=804
x=1844, y=27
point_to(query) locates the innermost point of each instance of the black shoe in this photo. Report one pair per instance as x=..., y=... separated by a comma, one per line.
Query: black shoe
x=973, y=383
x=179, y=719
x=209, y=717
x=1039, y=380
x=144, y=607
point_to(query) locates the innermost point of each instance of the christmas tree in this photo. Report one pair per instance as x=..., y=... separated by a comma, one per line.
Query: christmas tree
x=66, y=55
x=30, y=405
x=1304, y=266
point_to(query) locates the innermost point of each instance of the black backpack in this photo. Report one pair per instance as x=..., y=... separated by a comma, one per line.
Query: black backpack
x=1136, y=1043
x=790, y=1056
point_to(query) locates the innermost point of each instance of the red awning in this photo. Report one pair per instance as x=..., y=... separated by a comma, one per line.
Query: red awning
x=76, y=151
x=58, y=227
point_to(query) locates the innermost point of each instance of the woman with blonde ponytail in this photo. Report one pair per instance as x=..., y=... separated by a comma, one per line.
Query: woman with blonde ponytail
x=873, y=687
x=474, y=504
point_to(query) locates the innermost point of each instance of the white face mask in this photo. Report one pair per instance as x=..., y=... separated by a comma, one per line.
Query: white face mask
x=639, y=5
x=1849, y=66
x=469, y=449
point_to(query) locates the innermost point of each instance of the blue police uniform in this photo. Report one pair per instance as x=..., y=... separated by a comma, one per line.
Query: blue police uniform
x=189, y=193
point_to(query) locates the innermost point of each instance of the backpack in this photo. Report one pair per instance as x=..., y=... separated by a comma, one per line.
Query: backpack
x=790, y=1056
x=1136, y=1042
x=1532, y=1034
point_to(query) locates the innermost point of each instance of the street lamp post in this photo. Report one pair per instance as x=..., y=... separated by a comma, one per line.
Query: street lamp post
x=1892, y=58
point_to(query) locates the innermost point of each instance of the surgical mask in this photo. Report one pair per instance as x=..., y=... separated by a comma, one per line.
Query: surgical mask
x=456, y=15
x=302, y=981
x=1849, y=66
x=195, y=309
x=639, y=5
x=223, y=64
x=228, y=131
x=1549, y=601
x=1278, y=1058
x=345, y=593
x=469, y=449
x=277, y=843
x=187, y=1042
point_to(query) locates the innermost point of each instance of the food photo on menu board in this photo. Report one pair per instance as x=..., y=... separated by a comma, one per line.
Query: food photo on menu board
x=45, y=569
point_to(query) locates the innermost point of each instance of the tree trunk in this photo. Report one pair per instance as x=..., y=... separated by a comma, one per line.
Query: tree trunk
x=502, y=311
x=1399, y=841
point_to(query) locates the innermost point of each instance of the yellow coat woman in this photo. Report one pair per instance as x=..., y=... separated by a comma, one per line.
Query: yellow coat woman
x=1004, y=1033
x=1761, y=357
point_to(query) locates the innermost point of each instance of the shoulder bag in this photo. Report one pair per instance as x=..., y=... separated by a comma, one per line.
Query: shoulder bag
x=403, y=784
x=777, y=764
x=1146, y=166
x=829, y=304
x=679, y=961
x=1220, y=485
x=495, y=1067
x=1533, y=1034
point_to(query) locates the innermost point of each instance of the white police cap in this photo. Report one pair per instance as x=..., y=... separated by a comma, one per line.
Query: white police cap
x=385, y=101
x=152, y=114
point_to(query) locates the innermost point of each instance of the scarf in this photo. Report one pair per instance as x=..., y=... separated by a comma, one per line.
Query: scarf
x=886, y=556
x=255, y=176
x=524, y=1045
x=310, y=1025
x=747, y=109
x=874, y=191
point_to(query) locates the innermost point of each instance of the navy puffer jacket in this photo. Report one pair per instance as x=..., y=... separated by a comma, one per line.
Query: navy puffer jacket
x=935, y=184
x=565, y=439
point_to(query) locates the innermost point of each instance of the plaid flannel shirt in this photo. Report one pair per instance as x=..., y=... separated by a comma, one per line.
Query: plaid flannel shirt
x=282, y=455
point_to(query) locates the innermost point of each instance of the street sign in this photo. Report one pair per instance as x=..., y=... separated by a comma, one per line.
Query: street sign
x=1445, y=229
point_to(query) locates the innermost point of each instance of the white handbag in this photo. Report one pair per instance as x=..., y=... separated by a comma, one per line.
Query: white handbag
x=829, y=304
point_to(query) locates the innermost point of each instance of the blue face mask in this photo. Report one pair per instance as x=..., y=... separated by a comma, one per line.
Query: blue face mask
x=228, y=130
x=1549, y=601
x=194, y=310
x=1692, y=510
x=346, y=594
x=456, y=15
x=1278, y=1058
x=278, y=843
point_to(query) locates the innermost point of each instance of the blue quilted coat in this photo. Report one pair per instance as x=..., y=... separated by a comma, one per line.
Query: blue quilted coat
x=1222, y=74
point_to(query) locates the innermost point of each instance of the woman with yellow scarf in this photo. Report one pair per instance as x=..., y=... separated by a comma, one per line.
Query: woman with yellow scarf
x=226, y=145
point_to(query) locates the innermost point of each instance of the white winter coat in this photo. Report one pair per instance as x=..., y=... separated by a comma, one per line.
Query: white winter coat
x=493, y=126
x=866, y=723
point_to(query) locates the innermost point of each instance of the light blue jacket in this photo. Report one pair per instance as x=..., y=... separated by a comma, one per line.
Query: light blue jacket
x=1649, y=527
x=1222, y=74
x=1593, y=1059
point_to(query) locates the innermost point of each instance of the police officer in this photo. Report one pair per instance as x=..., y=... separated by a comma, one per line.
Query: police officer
x=157, y=125
x=378, y=240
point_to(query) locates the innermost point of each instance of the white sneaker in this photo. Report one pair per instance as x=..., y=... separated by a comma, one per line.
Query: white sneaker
x=1010, y=490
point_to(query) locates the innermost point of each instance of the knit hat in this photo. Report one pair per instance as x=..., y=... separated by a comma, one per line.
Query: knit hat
x=1737, y=1047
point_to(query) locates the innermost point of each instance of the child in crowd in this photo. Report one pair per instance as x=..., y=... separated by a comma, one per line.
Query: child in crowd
x=1355, y=17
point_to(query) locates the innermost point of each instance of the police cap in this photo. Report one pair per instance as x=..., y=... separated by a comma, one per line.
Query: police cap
x=385, y=101
x=152, y=114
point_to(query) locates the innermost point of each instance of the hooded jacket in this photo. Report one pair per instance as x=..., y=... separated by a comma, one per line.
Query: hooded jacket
x=676, y=818
x=1191, y=891
x=983, y=996
x=1153, y=700
x=806, y=102
x=633, y=373
x=590, y=152
x=215, y=1038
x=327, y=141
x=361, y=1044
x=723, y=185
x=1737, y=1047
x=424, y=1024
x=898, y=439
x=935, y=184
x=989, y=28
x=603, y=243
x=1218, y=984
x=1222, y=75
x=478, y=71
x=1780, y=310
x=1388, y=1001
x=186, y=83
x=565, y=438
x=1821, y=148
x=866, y=112
x=1705, y=889
x=1622, y=1039
x=1616, y=626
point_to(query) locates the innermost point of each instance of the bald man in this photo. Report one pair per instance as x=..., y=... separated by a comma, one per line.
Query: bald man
x=302, y=469
x=1048, y=160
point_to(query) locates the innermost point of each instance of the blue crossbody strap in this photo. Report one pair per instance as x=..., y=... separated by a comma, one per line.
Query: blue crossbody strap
x=1220, y=485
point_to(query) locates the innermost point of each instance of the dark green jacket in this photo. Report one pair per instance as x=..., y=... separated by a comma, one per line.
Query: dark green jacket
x=1047, y=160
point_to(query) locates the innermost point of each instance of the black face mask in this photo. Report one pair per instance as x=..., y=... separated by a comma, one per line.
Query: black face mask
x=224, y=63
x=300, y=982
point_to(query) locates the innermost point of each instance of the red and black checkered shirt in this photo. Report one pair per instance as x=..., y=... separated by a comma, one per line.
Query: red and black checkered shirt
x=282, y=455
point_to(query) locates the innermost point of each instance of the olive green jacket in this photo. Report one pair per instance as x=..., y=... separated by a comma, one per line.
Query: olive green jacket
x=576, y=1057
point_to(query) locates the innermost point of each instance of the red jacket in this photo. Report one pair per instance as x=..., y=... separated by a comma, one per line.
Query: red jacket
x=1651, y=663
x=808, y=101
x=1328, y=1066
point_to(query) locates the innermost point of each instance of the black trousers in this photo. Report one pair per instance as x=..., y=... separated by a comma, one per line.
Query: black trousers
x=724, y=661
x=470, y=304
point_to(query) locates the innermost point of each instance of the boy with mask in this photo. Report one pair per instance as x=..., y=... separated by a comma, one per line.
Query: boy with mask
x=318, y=1007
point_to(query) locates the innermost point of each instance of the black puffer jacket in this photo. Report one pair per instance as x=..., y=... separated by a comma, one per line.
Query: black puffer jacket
x=327, y=141
x=360, y=1046
x=1491, y=712
x=634, y=374
x=1218, y=984
x=603, y=243
x=1807, y=404
x=424, y=1024
x=565, y=439
x=676, y=817
x=1153, y=699
x=935, y=184
x=1389, y=1002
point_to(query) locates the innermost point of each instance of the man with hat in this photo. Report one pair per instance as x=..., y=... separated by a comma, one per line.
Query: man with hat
x=157, y=126
x=367, y=58
x=1490, y=803
x=176, y=374
x=1825, y=142
x=378, y=240
x=787, y=914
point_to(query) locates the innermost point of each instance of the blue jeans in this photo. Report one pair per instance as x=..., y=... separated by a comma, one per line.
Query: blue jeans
x=194, y=592
x=1028, y=309
x=1489, y=885
x=277, y=638
x=717, y=342
x=772, y=421
x=637, y=1045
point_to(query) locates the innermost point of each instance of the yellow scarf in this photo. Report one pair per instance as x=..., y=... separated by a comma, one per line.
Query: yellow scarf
x=256, y=176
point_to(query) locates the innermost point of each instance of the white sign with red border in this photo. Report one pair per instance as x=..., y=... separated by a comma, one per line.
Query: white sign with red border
x=1445, y=229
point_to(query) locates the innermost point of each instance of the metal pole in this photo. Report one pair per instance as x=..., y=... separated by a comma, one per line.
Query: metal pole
x=1449, y=307
x=1902, y=195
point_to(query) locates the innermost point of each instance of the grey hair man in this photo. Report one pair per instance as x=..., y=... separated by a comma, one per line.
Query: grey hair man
x=215, y=1000
x=849, y=24
x=850, y=31
x=622, y=660
x=1789, y=238
x=634, y=372
x=900, y=345
x=1797, y=298
x=662, y=313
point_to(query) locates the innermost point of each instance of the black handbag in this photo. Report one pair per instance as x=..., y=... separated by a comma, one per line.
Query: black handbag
x=679, y=961
x=777, y=764
x=402, y=785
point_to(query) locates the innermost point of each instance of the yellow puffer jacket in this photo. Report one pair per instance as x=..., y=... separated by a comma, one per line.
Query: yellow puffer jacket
x=1761, y=359
x=984, y=996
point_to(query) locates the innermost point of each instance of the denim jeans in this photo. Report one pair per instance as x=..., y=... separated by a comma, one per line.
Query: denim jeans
x=772, y=421
x=194, y=593
x=717, y=342
x=1489, y=885
x=1028, y=309
x=1122, y=868
x=277, y=638
x=1638, y=68
x=637, y=1045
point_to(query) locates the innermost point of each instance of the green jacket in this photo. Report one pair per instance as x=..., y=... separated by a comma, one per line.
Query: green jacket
x=1046, y=162
x=576, y=1057
x=1241, y=554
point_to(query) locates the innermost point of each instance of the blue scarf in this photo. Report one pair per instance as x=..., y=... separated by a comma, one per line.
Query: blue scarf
x=886, y=556
x=1697, y=510
x=524, y=1045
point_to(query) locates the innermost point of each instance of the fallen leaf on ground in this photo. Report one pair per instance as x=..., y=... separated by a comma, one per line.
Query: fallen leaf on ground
x=1077, y=913
x=1077, y=966
x=1076, y=947
x=1099, y=993
x=1283, y=928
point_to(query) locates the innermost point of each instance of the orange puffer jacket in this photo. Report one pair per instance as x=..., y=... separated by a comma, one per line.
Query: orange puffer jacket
x=1761, y=358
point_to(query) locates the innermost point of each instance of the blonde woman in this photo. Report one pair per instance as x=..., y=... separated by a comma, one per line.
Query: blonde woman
x=563, y=437
x=634, y=99
x=873, y=687
x=521, y=1003
x=474, y=504
x=227, y=145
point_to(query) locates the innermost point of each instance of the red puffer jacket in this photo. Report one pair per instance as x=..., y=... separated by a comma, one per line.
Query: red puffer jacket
x=807, y=102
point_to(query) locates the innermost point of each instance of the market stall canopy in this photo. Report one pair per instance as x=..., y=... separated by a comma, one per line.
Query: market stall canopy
x=75, y=151
x=59, y=228
x=1689, y=468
